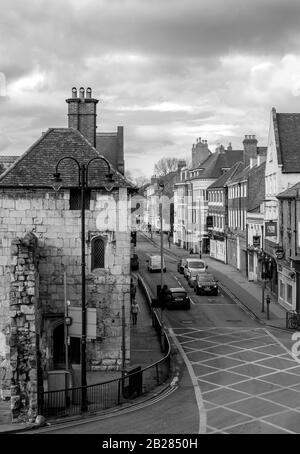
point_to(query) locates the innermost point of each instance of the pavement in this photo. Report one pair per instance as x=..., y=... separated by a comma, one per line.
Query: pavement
x=248, y=295
x=144, y=350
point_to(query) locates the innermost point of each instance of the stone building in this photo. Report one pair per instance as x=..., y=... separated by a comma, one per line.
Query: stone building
x=40, y=245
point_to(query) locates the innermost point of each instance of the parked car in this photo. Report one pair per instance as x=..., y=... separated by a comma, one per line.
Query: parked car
x=134, y=262
x=194, y=264
x=154, y=263
x=180, y=265
x=206, y=284
x=178, y=299
x=191, y=276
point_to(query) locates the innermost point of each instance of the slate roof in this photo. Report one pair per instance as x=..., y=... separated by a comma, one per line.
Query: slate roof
x=221, y=182
x=288, y=148
x=36, y=166
x=290, y=192
x=256, y=187
x=214, y=164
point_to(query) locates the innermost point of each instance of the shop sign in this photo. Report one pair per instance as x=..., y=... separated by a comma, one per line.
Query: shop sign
x=271, y=228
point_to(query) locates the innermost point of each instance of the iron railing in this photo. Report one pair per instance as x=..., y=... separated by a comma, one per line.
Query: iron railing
x=109, y=394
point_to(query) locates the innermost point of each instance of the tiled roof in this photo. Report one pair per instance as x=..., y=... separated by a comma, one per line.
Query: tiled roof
x=290, y=192
x=217, y=161
x=288, y=125
x=7, y=159
x=256, y=187
x=221, y=182
x=36, y=166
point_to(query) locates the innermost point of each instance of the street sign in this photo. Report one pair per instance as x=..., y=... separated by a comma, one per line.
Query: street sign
x=91, y=326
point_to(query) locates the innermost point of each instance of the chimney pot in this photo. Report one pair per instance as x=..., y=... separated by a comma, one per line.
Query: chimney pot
x=88, y=92
x=81, y=91
x=74, y=92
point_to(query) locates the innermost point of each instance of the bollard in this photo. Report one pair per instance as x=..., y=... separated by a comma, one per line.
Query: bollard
x=268, y=305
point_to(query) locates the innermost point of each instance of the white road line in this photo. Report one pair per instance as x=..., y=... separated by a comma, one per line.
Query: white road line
x=200, y=404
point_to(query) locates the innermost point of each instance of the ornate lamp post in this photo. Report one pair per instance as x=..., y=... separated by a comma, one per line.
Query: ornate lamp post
x=83, y=186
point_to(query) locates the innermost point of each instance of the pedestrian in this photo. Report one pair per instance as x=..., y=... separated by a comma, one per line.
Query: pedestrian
x=135, y=309
x=169, y=240
x=163, y=296
x=132, y=290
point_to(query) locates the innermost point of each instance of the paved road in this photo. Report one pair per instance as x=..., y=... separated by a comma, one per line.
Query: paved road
x=240, y=376
x=249, y=381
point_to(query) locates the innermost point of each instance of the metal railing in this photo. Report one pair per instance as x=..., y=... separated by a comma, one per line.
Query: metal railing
x=109, y=394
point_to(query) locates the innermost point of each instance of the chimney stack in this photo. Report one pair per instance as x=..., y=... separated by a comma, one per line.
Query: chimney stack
x=82, y=113
x=199, y=152
x=250, y=149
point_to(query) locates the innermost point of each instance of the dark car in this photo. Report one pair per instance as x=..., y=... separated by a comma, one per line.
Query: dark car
x=134, y=262
x=206, y=284
x=178, y=299
x=181, y=265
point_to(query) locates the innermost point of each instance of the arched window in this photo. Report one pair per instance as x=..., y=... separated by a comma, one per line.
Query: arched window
x=98, y=253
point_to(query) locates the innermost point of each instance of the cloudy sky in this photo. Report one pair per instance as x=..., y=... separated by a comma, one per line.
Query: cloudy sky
x=169, y=71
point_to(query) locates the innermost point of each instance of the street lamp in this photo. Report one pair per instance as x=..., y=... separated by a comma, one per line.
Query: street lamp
x=83, y=186
x=161, y=186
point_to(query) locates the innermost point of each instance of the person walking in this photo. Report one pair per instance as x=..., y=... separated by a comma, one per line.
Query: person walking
x=132, y=291
x=135, y=309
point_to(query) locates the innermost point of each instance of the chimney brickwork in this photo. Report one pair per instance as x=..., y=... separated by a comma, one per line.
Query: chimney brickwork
x=82, y=113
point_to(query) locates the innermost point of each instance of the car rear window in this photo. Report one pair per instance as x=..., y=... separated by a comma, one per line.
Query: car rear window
x=206, y=277
x=178, y=294
x=197, y=265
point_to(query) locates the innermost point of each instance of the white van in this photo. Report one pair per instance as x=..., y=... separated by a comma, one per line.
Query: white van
x=154, y=263
x=192, y=268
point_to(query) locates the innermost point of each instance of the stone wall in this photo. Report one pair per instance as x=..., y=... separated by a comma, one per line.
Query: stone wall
x=58, y=230
x=24, y=328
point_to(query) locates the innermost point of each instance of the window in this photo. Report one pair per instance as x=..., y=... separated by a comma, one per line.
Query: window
x=98, y=253
x=281, y=289
x=75, y=199
x=289, y=293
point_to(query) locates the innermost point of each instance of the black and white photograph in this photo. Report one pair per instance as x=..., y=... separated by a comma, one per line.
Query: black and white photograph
x=149, y=221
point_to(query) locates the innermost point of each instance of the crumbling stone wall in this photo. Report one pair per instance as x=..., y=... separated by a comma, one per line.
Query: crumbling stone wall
x=58, y=230
x=24, y=328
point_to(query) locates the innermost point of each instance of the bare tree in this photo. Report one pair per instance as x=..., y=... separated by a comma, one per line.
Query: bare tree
x=165, y=166
x=139, y=181
x=1, y=168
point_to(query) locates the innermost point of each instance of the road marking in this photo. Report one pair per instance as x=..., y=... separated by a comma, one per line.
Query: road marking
x=200, y=403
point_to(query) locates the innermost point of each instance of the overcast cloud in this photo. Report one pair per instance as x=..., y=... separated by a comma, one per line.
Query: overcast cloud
x=169, y=71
